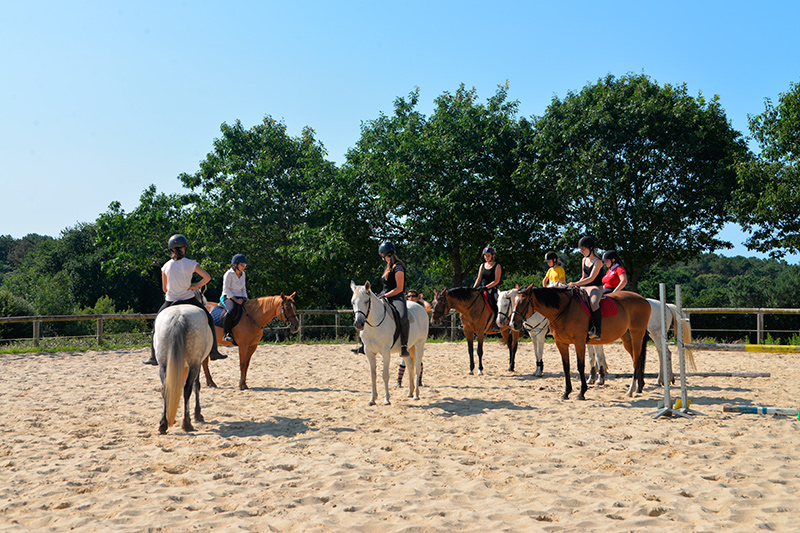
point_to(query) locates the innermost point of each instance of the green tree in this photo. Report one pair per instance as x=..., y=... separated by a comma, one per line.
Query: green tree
x=444, y=185
x=768, y=200
x=646, y=169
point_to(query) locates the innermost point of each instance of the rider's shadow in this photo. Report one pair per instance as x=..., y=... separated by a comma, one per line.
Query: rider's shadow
x=278, y=426
x=473, y=406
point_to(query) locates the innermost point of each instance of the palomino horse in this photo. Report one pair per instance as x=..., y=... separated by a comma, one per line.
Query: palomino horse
x=373, y=319
x=476, y=319
x=537, y=326
x=569, y=324
x=181, y=340
x=256, y=314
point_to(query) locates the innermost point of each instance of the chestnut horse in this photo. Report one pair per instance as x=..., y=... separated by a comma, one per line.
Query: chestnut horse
x=256, y=314
x=569, y=323
x=477, y=318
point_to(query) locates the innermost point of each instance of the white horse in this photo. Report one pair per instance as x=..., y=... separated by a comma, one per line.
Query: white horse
x=373, y=319
x=654, y=329
x=182, y=339
x=537, y=327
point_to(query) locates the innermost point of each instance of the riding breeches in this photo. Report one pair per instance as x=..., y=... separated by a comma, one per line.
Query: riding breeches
x=399, y=303
x=595, y=293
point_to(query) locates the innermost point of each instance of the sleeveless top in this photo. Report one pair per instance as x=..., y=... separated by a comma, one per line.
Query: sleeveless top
x=487, y=275
x=598, y=279
x=390, y=282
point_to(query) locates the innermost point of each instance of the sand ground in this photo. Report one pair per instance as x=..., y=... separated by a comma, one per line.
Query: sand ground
x=301, y=450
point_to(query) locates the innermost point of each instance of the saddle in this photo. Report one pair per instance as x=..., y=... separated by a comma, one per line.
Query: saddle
x=396, y=318
x=219, y=313
x=608, y=307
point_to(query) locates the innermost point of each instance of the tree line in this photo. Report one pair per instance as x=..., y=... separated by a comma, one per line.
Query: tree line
x=645, y=168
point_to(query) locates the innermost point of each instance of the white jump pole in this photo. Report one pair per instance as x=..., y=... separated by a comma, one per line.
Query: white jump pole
x=667, y=410
x=679, y=343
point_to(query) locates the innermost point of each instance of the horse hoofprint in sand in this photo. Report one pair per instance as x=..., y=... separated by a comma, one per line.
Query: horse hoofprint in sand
x=373, y=319
x=182, y=340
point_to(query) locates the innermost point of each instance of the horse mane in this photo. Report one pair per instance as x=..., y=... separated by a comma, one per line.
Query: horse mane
x=460, y=293
x=549, y=296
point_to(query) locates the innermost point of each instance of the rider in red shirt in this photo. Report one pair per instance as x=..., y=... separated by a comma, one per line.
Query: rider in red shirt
x=616, y=278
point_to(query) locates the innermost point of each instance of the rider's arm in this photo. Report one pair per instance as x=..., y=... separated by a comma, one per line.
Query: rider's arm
x=164, y=281
x=623, y=280
x=203, y=274
x=478, y=279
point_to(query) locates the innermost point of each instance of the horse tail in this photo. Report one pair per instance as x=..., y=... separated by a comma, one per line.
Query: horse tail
x=687, y=337
x=174, y=380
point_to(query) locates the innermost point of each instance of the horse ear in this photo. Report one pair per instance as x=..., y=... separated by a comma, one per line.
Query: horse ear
x=529, y=287
x=352, y=285
x=291, y=296
x=282, y=296
x=366, y=285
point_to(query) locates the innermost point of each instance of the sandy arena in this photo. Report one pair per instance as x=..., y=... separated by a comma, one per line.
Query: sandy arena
x=302, y=451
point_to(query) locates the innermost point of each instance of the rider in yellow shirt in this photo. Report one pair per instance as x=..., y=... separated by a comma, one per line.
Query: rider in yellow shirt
x=555, y=275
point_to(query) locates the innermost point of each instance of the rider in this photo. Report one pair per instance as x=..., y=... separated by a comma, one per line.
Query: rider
x=176, y=282
x=555, y=274
x=591, y=282
x=234, y=294
x=489, y=275
x=394, y=278
x=616, y=278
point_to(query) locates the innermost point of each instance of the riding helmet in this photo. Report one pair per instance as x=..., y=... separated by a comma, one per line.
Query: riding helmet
x=238, y=258
x=550, y=256
x=612, y=255
x=586, y=242
x=386, y=248
x=177, y=241
x=488, y=250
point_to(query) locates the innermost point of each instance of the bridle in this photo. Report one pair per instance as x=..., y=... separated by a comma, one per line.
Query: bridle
x=284, y=304
x=369, y=307
x=285, y=318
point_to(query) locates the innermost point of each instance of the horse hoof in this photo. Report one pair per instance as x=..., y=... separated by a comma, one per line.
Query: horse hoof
x=187, y=426
x=211, y=384
x=565, y=396
x=199, y=418
x=601, y=381
x=591, y=381
x=243, y=387
x=371, y=403
x=511, y=369
x=537, y=374
x=480, y=372
x=581, y=397
x=471, y=373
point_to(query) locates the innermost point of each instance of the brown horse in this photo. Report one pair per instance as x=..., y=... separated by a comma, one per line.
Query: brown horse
x=569, y=324
x=477, y=318
x=247, y=333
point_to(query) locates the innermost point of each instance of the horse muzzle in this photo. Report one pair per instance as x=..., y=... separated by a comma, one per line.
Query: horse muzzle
x=358, y=324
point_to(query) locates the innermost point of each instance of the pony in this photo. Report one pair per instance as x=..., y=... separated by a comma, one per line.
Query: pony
x=569, y=324
x=373, y=319
x=256, y=314
x=181, y=340
x=476, y=319
x=537, y=327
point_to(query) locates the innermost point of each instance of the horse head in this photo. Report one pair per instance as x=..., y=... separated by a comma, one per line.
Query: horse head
x=362, y=303
x=440, y=306
x=523, y=307
x=505, y=302
x=289, y=311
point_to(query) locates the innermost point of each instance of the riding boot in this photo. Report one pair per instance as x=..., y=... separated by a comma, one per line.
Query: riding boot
x=404, y=337
x=214, y=353
x=227, y=326
x=152, y=359
x=359, y=348
x=594, y=328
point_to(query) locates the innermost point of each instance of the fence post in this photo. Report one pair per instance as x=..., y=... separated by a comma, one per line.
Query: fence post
x=336, y=331
x=36, y=333
x=99, y=331
x=452, y=327
x=759, y=327
x=300, y=319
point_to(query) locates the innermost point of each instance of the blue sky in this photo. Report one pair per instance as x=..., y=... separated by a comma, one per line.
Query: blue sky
x=101, y=99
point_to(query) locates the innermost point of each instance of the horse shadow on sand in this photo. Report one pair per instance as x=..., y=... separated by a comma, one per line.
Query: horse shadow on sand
x=277, y=426
x=473, y=406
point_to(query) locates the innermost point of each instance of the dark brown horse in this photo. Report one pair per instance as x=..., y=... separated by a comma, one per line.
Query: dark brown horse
x=569, y=324
x=477, y=318
x=247, y=333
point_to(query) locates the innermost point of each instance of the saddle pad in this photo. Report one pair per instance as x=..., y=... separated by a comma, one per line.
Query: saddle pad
x=607, y=307
x=218, y=314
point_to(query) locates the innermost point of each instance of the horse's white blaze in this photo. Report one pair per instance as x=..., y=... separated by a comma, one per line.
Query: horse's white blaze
x=376, y=327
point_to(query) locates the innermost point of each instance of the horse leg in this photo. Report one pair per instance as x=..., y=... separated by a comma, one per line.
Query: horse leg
x=412, y=376
x=192, y=376
x=600, y=355
x=387, y=356
x=538, y=348
x=512, y=341
x=373, y=374
x=163, y=424
x=656, y=336
x=245, y=354
x=580, y=351
x=480, y=354
x=470, y=350
x=207, y=372
x=563, y=349
x=198, y=416
x=592, y=365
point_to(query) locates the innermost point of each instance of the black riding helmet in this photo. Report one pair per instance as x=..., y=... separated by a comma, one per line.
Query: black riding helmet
x=586, y=242
x=613, y=256
x=488, y=250
x=177, y=241
x=238, y=258
x=550, y=256
x=386, y=248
